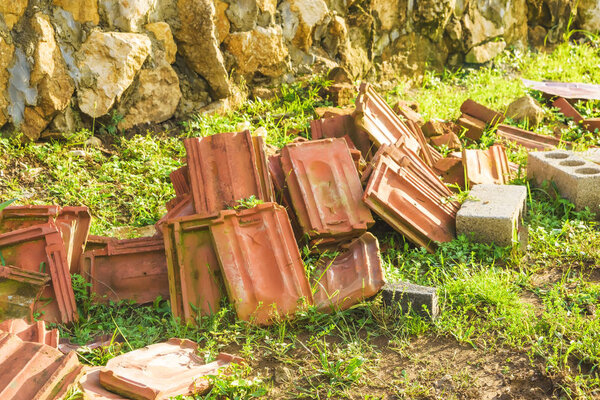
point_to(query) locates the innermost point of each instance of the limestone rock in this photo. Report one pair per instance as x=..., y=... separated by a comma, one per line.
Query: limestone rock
x=127, y=15
x=487, y=20
x=162, y=33
x=155, y=98
x=266, y=12
x=198, y=44
x=221, y=22
x=433, y=15
x=49, y=76
x=12, y=11
x=242, y=14
x=388, y=13
x=300, y=18
x=485, y=52
x=588, y=12
x=82, y=10
x=108, y=62
x=261, y=50
x=7, y=51
x=526, y=109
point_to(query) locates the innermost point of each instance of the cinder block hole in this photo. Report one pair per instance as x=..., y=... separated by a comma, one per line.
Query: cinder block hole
x=572, y=163
x=588, y=171
x=557, y=156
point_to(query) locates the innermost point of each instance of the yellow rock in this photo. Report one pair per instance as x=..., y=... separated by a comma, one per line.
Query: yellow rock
x=162, y=33
x=12, y=10
x=260, y=49
x=82, y=10
x=6, y=55
x=222, y=23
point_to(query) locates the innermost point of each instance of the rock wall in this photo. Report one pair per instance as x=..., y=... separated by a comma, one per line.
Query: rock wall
x=66, y=62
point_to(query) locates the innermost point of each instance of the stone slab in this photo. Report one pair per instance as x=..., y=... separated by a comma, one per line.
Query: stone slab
x=423, y=300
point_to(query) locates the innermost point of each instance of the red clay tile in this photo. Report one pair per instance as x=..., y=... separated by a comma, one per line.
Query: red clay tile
x=181, y=181
x=451, y=170
x=433, y=128
x=486, y=166
x=591, y=124
x=330, y=112
x=183, y=208
x=225, y=168
x=260, y=262
x=89, y=384
x=473, y=127
x=342, y=126
x=41, y=248
x=381, y=123
x=73, y=223
x=411, y=201
x=527, y=139
x=481, y=112
x=34, y=371
x=325, y=188
x=353, y=275
x=282, y=194
x=194, y=275
x=130, y=269
x=35, y=332
x=567, y=90
x=403, y=109
x=19, y=292
x=95, y=242
x=567, y=109
x=424, y=151
x=162, y=370
x=450, y=140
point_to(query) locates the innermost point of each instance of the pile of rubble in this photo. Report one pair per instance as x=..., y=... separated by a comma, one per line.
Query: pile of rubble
x=239, y=216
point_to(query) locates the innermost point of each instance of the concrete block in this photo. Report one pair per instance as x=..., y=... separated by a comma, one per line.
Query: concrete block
x=422, y=299
x=576, y=179
x=493, y=214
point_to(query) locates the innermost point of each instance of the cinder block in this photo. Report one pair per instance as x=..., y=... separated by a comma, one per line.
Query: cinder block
x=422, y=299
x=575, y=178
x=493, y=214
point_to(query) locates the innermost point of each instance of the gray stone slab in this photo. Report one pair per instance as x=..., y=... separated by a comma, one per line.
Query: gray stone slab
x=576, y=178
x=423, y=300
x=493, y=214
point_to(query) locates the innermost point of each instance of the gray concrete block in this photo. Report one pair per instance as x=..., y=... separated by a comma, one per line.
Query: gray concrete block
x=493, y=214
x=576, y=178
x=422, y=299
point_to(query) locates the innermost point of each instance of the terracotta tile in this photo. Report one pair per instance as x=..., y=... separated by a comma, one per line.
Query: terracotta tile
x=591, y=124
x=260, y=262
x=195, y=282
x=342, y=126
x=403, y=109
x=329, y=112
x=73, y=223
x=41, y=247
x=567, y=90
x=91, y=388
x=450, y=140
x=473, y=127
x=162, y=370
x=129, y=269
x=325, y=188
x=481, y=112
x=181, y=181
x=451, y=170
x=486, y=166
x=567, y=109
x=35, y=332
x=34, y=371
x=353, y=275
x=411, y=202
x=19, y=292
x=374, y=116
x=183, y=208
x=424, y=151
x=282, y=194
x=436, y=127
x=527, y=139
x=225, y=168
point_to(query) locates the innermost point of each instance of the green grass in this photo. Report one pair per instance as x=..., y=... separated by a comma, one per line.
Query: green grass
x=502, y=304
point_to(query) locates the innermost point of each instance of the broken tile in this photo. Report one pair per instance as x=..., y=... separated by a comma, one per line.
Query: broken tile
x=450, y=140
x=260, y=262
x=436, y=127
x=34, y=371
x=282, y=194
x=527, y=139
x=567, y=90
x=451, y=170
x=329, y=112
x=403, y=109
x=424, y=152
x=225, y=168
x=95, y=242
x=353, y=275
x=73, y=223
x=473, y=127
x=90, y=386
x=194, y=274
x=129, y=269
x=325, y=188
x=410, y=203
x=19, y=291
x=40, y=248
x=567, y=109
x=183, y=208
x=162, y=370
x=486, y=166
x=342, y=126
x=181, y=181
x=592, y=124
x=35, y=332
x=481, y=112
